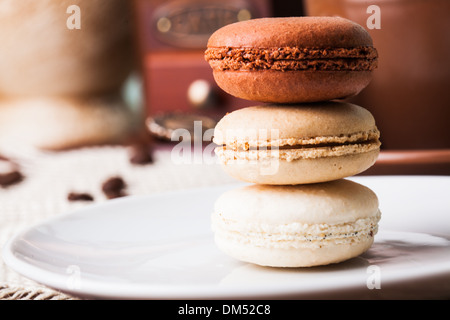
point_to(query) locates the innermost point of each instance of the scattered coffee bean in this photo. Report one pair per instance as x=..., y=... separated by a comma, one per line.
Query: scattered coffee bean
x=76, y=196
x=113, y=184
x=114, y=188
x=140, y=148
x=9, y=172
x=117, y=194
x=141, y=154
x=10, y=178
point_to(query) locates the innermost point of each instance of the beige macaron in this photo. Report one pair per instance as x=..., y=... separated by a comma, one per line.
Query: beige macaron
x=297, y=144
x=296, y=226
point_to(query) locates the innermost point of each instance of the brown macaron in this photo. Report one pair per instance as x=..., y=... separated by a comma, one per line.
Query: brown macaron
x=297, y=144
x=292, y=60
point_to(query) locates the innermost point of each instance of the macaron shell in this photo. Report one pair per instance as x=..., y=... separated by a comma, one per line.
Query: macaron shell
x=334, y=202
x=292, y=86
x=293, y=257
x=316, y=32
x=324, y=119
x=302, y=171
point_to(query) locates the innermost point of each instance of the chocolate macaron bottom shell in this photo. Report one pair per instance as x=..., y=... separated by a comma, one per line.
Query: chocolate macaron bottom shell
x=292, y=86
x=303, y=171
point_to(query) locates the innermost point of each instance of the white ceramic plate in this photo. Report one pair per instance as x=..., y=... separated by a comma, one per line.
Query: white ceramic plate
x=161, y=247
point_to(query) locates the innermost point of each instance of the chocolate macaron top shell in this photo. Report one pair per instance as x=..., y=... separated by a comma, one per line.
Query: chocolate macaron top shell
x=292, y=60
x=292, y=44
x=314, y=32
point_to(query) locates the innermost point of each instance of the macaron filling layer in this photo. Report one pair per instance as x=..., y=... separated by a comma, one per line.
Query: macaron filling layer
x=295, y=234
x=294, y=149
x=251, y=139
x=292, y=59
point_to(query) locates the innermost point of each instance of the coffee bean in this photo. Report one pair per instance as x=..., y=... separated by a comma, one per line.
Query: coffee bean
x=76, y=196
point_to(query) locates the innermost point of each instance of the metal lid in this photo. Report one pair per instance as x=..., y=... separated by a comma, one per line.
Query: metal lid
x=181, y=127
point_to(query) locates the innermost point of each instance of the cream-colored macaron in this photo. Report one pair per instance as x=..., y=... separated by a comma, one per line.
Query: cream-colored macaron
x=296, y=226
x=297, y=144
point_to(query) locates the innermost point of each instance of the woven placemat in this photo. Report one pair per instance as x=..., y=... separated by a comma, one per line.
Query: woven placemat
x=19, y=293
x=50, y=176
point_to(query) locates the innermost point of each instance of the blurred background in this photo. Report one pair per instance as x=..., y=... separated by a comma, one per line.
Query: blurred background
x=136, y=68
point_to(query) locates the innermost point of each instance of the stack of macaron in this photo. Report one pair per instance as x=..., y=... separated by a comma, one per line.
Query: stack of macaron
x=297, y=146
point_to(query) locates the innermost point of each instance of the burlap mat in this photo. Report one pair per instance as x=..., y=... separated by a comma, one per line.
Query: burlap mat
x=49, y=177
